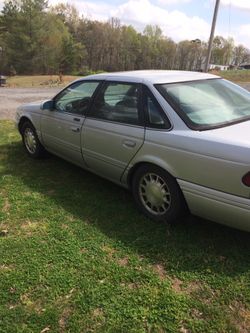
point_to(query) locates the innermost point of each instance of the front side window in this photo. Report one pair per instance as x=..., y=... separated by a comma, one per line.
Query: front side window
x=118, y=102
x=76, y=98
x=207, y=104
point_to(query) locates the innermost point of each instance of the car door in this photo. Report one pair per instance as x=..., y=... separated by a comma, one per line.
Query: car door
x=61, y=126
x=113, y=131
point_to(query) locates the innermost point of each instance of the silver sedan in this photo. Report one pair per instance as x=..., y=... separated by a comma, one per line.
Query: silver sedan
x=179, y=140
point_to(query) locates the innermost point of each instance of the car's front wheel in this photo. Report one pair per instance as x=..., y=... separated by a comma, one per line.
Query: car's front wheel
x=31, y=142
x=157, y=194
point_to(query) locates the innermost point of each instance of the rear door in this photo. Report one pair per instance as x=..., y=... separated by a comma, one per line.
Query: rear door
x=61, y=127
x=113, y=131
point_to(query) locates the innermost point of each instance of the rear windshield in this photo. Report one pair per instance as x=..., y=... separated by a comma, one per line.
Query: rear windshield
x=207, y=104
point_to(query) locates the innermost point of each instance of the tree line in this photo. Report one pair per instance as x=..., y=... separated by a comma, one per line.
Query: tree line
x=38, y=39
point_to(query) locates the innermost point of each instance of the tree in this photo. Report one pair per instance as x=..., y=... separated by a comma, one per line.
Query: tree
x=21, y=21
x=222, y=51
x=33, y=37
x=240, y=55
x=68, y=15
x=38, y=39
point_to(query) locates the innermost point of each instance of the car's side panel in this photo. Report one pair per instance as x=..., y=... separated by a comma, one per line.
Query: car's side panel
x=194, y=160
x=61, y=134
x=32, y=112
x=217, y=206
x=108, y=147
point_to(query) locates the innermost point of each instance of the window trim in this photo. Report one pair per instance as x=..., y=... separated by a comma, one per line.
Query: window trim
x=91, y=98
x=167, y=123
x=102, y=86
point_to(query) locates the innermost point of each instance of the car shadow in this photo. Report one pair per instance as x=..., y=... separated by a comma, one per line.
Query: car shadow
x=193, y=245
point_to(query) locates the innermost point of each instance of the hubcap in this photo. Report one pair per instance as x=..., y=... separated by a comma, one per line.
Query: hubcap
x=30, y=140
x=154, y=194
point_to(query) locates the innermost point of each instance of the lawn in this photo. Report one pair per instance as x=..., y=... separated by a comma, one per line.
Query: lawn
x=76, y=256
x=237, y=76
x=30, y=81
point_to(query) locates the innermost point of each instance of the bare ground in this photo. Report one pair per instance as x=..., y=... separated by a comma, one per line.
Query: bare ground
x=11, y=98
x=245, y=85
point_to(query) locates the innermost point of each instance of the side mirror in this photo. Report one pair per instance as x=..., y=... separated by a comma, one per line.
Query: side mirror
x=48, y=105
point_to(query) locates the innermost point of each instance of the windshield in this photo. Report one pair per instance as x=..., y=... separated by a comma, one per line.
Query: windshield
x=208, y=103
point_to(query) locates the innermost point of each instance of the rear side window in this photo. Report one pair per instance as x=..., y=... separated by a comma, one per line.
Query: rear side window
x=155, y=116
x=118, y=102
x=207, y=104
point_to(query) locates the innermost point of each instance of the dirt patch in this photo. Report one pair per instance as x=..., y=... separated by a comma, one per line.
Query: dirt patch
x=123, y=261
x=64, y=319
x=6, y=205
x=160, y=271
x=108, y=250
x=28, y=227
x=98, y=312
x=245, y=85
x=177, y=285
x=183, y=329
x=4, y=232
x=192, y=287
x=241, y=317
x=30, y=304
x=6, y=268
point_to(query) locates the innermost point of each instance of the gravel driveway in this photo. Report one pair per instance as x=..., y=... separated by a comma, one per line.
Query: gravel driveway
x=246, y=86
x=11, y=98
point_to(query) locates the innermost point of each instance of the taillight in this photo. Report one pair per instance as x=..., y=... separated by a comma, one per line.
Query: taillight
x=246, y=179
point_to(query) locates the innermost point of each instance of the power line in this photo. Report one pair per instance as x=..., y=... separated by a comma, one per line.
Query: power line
x=229, y=18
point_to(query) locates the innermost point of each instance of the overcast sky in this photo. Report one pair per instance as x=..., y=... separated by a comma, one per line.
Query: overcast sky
x=178, y=19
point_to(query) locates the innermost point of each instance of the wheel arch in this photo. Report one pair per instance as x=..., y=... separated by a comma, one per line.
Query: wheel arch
x=137, y=165
x=22, y=120
x=178, y=208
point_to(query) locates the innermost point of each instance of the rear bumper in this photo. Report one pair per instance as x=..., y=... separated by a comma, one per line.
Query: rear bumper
x=217, y=206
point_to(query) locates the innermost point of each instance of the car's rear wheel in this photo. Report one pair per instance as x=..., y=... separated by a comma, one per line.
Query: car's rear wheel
x=157, y=194
x=31, y=142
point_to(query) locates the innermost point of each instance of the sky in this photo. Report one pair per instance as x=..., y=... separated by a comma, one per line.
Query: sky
x=178, y=19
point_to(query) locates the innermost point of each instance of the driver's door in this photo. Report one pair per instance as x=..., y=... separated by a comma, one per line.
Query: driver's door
x=61, y=127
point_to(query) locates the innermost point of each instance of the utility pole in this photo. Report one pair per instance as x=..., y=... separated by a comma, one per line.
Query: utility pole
x=212, y=35
x=1, y=52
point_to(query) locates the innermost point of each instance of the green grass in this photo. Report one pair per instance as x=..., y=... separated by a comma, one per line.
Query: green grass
x=29, y=81
x=76, y=256
x=237, y=76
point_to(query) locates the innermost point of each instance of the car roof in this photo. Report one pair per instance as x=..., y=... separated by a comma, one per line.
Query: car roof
x=153, y=76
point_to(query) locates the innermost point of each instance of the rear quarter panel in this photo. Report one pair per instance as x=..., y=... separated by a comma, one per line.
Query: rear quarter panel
x=185, y=155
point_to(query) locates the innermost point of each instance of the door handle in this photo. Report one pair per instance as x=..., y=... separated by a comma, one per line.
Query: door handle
x=75, y=129
x=129, y=143
x=76, y=119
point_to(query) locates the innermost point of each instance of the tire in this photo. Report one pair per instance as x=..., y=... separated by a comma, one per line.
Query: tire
x=157, y=194
x=31, y=142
